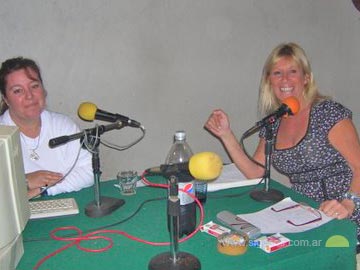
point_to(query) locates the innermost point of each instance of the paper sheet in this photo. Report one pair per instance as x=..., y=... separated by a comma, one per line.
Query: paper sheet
x=269, y=221
x=231, y=177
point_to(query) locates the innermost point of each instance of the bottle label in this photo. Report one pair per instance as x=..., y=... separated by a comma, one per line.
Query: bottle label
x=184, y=197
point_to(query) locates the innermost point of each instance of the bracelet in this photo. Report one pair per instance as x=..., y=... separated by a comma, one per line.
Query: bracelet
x=354, y=197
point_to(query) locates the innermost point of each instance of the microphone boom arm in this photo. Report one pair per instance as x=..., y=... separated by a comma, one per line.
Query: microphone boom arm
x=98, y=130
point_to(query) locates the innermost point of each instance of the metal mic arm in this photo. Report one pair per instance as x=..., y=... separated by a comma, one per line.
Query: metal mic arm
x=268, y=151
x=174, y=260
x=173, y=214
x=267, y=194
x=98, y=130
x=101, y=205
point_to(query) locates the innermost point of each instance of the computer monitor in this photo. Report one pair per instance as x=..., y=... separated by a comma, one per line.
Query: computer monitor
x=14, y=205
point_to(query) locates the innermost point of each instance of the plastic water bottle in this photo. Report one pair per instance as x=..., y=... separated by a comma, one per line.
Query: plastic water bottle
x=181, y=152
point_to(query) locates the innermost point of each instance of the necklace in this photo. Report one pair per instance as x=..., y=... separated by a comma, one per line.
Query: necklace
x=34, y=156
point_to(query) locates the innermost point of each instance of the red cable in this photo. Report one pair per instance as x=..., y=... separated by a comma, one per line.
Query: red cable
x=76, y=240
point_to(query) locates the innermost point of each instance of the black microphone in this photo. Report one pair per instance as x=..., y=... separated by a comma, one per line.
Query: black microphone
x=289, y=106
x=181, y=170
x=91, y=131
x=203, y=165
x=88, y=112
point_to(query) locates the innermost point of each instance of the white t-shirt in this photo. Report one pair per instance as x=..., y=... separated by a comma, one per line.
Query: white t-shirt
x=58, y=159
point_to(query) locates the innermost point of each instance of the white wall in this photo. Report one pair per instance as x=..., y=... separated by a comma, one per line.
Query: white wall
x=168, y=63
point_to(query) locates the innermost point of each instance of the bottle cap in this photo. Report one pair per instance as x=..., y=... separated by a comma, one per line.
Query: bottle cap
x=180, y=135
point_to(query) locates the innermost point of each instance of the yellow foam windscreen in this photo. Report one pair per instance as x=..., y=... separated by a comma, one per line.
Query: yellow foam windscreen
x=87, y=111
x=205, y=166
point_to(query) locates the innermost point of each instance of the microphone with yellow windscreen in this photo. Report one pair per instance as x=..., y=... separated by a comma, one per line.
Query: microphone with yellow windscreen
x=203, y=166
x=88, y=111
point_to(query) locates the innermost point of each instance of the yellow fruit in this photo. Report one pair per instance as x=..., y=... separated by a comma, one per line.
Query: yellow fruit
x=205, y=166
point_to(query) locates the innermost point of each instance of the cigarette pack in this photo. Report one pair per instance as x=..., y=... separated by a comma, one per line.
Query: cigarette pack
x=273, y=242
x=214, y=229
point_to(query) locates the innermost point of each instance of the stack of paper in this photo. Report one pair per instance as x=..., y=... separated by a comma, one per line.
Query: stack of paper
x=231, y=177
x=280, y=217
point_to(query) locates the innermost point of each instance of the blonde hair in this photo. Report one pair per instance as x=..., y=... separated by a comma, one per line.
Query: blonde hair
x=267, y=101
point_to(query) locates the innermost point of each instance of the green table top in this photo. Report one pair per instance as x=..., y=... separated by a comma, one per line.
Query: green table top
x=307, y=250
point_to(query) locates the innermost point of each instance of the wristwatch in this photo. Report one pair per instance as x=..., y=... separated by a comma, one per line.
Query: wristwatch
x=354, y=197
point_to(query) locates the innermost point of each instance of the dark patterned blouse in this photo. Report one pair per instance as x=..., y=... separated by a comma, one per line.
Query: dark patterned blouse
x=315, y=168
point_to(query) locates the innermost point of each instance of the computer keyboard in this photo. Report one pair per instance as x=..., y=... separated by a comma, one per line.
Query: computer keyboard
x=53, y=208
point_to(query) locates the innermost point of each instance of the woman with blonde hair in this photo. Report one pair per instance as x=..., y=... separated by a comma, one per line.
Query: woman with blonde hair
x=318, y=148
